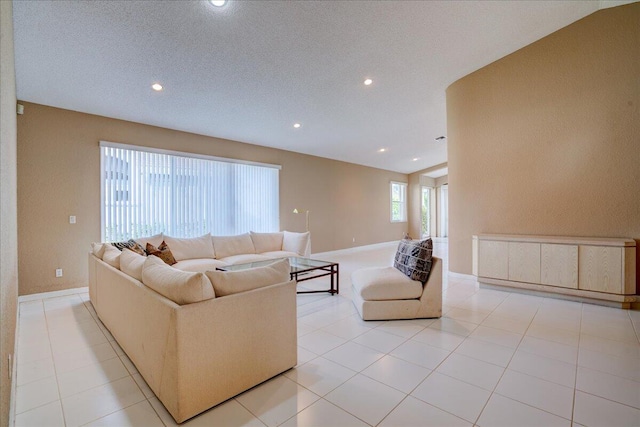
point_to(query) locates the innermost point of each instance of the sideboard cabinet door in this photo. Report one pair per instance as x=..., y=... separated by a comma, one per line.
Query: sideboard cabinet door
x=493, y=259
x=600, y=269
x=559, y=265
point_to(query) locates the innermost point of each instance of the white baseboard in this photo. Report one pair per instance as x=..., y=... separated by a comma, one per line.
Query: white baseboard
x=53, y=294
x=461, y=276
x=356, y=249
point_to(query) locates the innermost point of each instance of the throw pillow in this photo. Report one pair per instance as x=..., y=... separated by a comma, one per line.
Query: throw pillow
x=130, y=244
x=98, y=249
x=131, y=263
x=232, y=282
x=180, y=287
x=163, y=252
x=297, y=242
x=155, y=240
x=112, y=256
x=413, y=258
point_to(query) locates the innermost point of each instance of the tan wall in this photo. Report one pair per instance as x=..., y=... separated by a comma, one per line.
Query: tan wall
x=8, y=228
x=59, y=175
x=547, y=140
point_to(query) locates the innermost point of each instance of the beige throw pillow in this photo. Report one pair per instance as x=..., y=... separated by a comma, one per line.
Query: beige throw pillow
x=111, y=256
x=267, y=242
x=232, y=282
x=131, y=263
x=180, y=287
x=191, y=248
x=98, y=249
x=296, y=242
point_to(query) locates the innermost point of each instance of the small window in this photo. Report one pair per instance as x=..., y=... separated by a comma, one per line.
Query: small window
x=398, y=202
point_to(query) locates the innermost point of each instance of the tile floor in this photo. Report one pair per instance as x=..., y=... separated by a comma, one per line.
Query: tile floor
x=493, y=359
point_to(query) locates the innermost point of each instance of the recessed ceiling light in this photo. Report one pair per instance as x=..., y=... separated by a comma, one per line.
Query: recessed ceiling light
x=382, y=150
x=218, y=3
x=367, y=82
x=157, y=87
x=296, y=125
x=415, y=159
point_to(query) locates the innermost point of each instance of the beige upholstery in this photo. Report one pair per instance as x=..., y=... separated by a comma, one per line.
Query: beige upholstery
x=374, y=301
x=131, y=263
x=244, y=258
x=155, y=240
x=232, y=282
x=226, y=246
x=267, y=242
x=198, y=355
x=299, y=243
x=280, y=254
x=191, y=248
x=181, y=287
x=199, y=265
x=111, y=255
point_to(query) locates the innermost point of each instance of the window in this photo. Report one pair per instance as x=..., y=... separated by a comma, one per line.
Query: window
x=146, y=191
x=398, y=202
x=425, y=213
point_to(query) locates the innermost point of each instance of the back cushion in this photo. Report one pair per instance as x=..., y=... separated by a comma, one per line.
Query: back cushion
x=225, y=246
x=232, y=282
x=413, y=258
x=296, y=242
x=131, y=263
x=154, y=240
x=111, y=256
x=98, y=249
x=180, y=287
x=267, y=242
x=191, y=248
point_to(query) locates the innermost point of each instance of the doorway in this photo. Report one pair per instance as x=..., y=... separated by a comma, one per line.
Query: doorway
x=425, y=214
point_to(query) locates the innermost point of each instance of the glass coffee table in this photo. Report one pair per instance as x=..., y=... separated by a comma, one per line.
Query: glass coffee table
x=302, y=269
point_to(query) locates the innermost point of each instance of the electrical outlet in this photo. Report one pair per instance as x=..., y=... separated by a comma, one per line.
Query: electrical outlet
x=10, y=365
x=58, y=272
x=72, y=219
x=354, y=240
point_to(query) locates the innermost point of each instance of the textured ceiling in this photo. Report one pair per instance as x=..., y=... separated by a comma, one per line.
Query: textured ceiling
x=250, y=70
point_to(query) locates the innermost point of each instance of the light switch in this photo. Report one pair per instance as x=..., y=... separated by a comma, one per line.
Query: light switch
x=72, y=219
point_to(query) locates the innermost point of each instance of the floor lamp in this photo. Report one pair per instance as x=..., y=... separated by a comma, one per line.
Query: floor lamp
x=295, y=211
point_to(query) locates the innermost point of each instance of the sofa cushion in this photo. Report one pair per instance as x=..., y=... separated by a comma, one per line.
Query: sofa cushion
x=267, y=242
x=155, y=240
x=231, y=282
x=413, y=258
x=296, y=242
x=244, y=258
x=163, y=252
x=131, y=244
x=180, y=287
x=226, y=246
x=191, y=248
x=280, y=254
x=199, y=265
x=111, y=256
x=131, y=263
x=98, y=249
x=385, y=283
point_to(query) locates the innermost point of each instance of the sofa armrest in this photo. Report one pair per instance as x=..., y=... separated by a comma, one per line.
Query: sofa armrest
x=229, y=344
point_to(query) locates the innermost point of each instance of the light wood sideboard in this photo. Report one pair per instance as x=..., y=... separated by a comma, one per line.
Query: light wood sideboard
x=598, y=270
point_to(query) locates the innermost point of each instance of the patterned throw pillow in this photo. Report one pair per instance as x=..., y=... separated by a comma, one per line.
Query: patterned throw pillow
x=131, y=245
x=163, y=252
x=413, y=258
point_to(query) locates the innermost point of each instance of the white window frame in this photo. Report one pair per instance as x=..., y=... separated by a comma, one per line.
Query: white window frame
x=402, y=202
x=126, y=231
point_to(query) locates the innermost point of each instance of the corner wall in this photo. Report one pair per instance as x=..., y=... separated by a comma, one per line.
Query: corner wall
x=8, y=226
x=547, y=140
x=59, y=175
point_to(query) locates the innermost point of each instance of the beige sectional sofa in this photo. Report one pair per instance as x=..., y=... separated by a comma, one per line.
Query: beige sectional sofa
x=196, y=335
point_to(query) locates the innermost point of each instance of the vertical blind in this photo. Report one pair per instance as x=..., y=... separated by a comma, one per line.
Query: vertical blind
x=145, y=192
